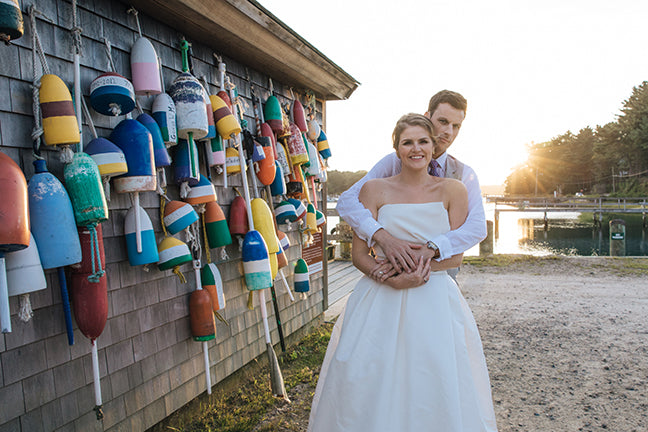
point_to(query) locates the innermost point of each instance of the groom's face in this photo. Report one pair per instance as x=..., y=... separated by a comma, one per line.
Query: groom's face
x=446, y=120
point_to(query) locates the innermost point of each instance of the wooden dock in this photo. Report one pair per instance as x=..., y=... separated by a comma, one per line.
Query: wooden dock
x=342, y=277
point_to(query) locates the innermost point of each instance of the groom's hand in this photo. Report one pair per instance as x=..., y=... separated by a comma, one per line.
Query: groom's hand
x=400, y=253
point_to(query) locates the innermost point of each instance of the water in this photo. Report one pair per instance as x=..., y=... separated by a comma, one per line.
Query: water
x=568, y=234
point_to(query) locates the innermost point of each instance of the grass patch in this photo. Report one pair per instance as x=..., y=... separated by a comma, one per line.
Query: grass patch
x=503, y=260
x=242, y=402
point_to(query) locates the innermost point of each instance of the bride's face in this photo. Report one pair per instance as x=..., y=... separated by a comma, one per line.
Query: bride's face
x=415, y=147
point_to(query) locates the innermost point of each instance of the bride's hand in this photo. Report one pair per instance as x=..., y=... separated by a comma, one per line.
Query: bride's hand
x=383, y=270
x=400, y=253
x=418, y=277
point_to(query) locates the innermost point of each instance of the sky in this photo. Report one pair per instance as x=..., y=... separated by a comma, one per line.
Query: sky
x=530, y=70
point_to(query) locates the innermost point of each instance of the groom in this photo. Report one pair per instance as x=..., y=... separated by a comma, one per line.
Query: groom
x=446, y=110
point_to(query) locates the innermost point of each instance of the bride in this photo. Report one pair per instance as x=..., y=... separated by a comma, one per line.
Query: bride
x=406, y=356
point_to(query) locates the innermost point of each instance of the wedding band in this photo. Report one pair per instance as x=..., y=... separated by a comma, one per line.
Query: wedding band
x=380, y=273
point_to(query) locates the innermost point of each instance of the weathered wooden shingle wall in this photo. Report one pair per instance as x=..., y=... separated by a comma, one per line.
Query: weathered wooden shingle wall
x=149, y=364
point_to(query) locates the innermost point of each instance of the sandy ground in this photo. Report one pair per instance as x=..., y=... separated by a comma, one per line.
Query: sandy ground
x=565, y=341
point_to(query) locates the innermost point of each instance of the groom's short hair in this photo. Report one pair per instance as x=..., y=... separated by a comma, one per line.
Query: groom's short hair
x=450, y=97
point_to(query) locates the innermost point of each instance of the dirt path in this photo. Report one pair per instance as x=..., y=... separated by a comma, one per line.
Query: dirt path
x=565, y=341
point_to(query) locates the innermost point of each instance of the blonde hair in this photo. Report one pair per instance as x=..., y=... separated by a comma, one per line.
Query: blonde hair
x=408, y=120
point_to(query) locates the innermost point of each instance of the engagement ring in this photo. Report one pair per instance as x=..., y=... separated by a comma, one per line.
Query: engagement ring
x=380, y=273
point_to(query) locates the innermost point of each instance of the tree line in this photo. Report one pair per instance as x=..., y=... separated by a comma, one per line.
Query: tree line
x=610, y=159
x=339, y=181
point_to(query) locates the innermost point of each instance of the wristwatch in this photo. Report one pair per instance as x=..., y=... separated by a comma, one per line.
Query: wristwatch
x=432, y=246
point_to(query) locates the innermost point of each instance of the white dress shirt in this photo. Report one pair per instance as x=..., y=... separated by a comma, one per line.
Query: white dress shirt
x=451, y=243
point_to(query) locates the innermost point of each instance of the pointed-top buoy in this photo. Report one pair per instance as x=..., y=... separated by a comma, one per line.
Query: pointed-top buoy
x=256, y=262
x=145, y=68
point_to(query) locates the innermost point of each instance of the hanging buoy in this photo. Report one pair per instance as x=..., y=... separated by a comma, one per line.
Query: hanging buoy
x=232, y=161
x=160, y=153
x=145, y=68
x=323, y=145
x=300, y=208
x=60, y=125
x=296, y=148
x=213, y=283
x=173, y=253
x=238, y=217
x=90, y=295
x=136, y=142
x=112, y=94
x=109, y=158
x=226, y=123
x=218, y=233
x=215, y=151
x=285, y=213
x=282, y=261
x=266, y=131
x=211, y=125
x=282, y=158
x=314, y=169
x=83, y=182
x=186, y=163
x=311, y=219
x=14, y=225
x=298, y=116
x=256, y=262
x=164, y=113
x=302, y=281
x=274, y=265
x=257, y=152
x=263, y=223
x=284, y=241
x=313, y=130
x=202, y=192
x=201, y=316
x=11, y=21
x=54, y=229
x=272, y=114
x=24, y=276
x=266, y=167
x=149, y=252
x=278, y=185
x=178, y=215
x=320, y=219
x=191, y=112
x=295, y=185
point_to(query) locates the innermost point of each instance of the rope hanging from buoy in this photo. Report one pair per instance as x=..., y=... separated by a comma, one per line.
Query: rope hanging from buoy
x=37, y=52
x=95, y=256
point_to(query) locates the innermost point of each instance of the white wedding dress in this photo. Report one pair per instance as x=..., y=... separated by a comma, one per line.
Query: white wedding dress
x=405, y=360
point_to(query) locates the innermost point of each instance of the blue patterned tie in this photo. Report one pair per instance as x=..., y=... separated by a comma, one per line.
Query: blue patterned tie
x=433, y=168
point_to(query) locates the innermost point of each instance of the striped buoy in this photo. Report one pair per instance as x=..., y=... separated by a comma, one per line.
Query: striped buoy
x=213, y=283
x=202, y=192
x=256, y=262
x=300, y=208
x=272, y=114
x=191, y=112
x=60, y=125
x=311, y=219
x=257, y=152
x=178, y=215
x=285, y=212
x=185, y=163
x=52, y=219
x=211, y=125
x=295, y=145
x=24, y=276
x=314, y=168
x=135, y=140
x=320, y=219
x=160, y=153
x=218, y=233
x=298, y=116
x=145, y=68
x=295, y=185
x=302, y=281
x=266, y=131
x=215, y=151
x=201, y=316
x=11, y=21
x=238, y=217
x=109, y=158
x=284, y=242
x=149, y=253
x=111, y=94
x=263, y=223
x=313, y=130
x=226, y=123
x=164, y=113
x=323, y=145
x=232, y=163
x=173, y=253
x=278, y=185
x=282, y=158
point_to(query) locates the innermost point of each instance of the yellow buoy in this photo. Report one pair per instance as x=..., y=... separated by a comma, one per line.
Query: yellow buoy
x=226, y=123
x=60, y=125
x=232, y=161
x=263, y=222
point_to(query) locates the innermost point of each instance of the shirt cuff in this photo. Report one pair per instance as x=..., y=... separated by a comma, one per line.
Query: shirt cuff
x=445, y=248
x=370, y=227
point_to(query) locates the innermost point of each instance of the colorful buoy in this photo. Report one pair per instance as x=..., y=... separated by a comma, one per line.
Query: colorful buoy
x=11, y=21
x=298, y=116
x=296, y=148
x=282, y=158
x=145, y=68
x=226, y=123
x=263, y=223
x=164, y=113
x=215, y=151
x=323, y=145
x=238, y=217
x=202, y=192
x=266, y=171
x=24, y=276
x=300, y=208
x=201, y=316
x=232, y=161
x=186, y=163
x=160, y=153
x=285, y=212
x=60, y=125
x=320, y=219
x=109, y=158
x=173, y=253
x=213, y=283
x=272, y=114
x=178, y=215
x=278, y=185
x=112, y=94
x=256, y=262
x=135, y=140
x=302, y=281
x=311, y=219
x=313, y=130
x=218, y=233
x=83, y=182
x=149, y=253
x=284, y=242
x=191, y=112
